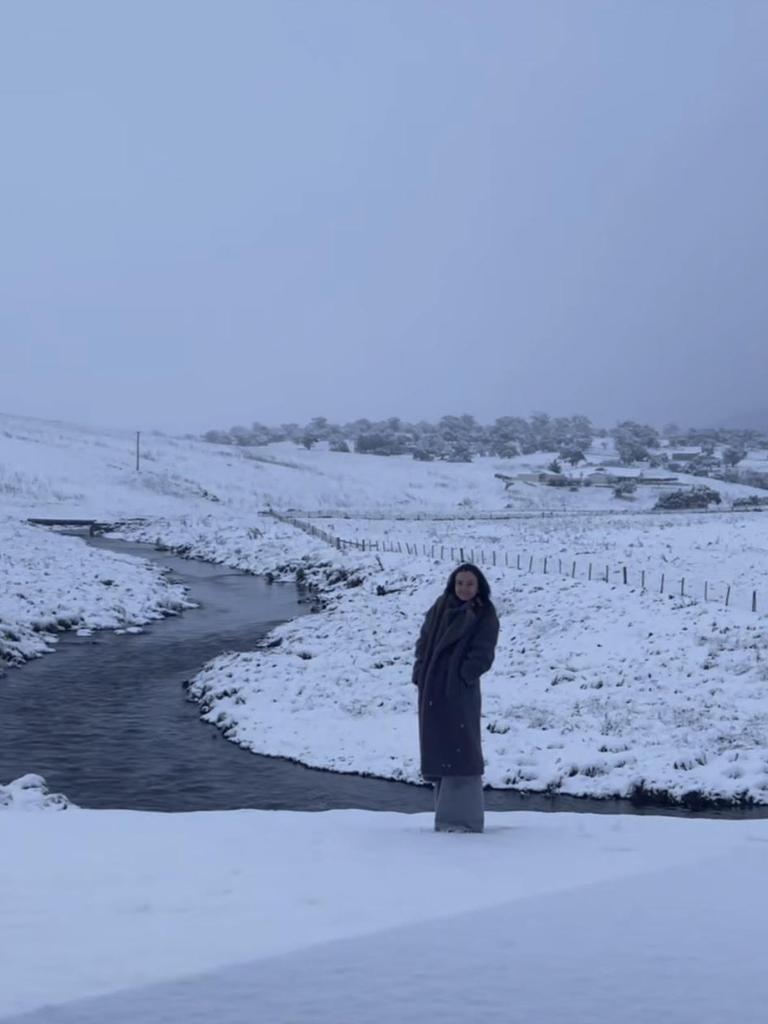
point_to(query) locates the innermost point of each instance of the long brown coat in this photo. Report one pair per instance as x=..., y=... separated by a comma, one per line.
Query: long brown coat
x=455, y=647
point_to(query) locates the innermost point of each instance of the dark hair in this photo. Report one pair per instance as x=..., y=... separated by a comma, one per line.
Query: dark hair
x=483, y=586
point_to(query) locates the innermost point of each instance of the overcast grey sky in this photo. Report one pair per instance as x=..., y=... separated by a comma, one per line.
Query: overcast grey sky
x=216, y=212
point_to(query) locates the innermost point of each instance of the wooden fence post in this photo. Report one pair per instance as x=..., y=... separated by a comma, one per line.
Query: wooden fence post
x=642, y=580
x=682, y=587
x=530, y=565
x=706, y=591
x=573, y=571
x=545, y=565
x=754, y=600
x=662, y=584
x=589, y=576
x=518, y=561
x=607, y=573
x=624, y=573
x=728, y=595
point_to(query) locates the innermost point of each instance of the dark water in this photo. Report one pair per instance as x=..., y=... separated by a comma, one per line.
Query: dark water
x=105, y=719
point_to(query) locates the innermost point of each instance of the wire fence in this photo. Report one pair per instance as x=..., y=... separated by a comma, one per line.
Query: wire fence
x=664, y=583
x=504, y=514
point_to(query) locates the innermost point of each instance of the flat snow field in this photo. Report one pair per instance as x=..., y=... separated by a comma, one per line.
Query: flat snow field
x=352, y=916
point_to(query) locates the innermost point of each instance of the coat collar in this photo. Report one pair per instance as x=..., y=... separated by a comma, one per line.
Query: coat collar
x=462, y=619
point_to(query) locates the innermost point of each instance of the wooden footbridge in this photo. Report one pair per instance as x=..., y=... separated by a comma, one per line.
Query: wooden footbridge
x=94, y=526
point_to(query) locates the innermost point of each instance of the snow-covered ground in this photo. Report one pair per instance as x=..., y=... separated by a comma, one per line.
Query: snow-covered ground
x=353, y=916
x=598, y=689
x=702, y=555
x=50, y=583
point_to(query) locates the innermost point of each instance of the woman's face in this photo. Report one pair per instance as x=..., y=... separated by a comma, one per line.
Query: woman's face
x=466, y=586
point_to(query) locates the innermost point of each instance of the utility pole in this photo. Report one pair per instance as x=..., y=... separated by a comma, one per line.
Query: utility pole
x=138, y=436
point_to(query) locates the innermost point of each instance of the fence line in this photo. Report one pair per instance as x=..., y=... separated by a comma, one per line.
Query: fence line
x=504, y=514
x=627, y=575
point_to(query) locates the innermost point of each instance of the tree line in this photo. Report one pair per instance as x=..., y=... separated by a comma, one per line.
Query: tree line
x=460, y=438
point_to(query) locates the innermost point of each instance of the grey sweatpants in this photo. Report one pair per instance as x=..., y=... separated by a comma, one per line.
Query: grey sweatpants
x=459, y=803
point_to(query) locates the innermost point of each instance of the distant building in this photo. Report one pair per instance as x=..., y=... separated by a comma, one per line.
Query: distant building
x=685, y=454
x=602, y=478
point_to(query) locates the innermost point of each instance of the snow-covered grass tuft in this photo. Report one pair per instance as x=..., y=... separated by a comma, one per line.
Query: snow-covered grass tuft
x=30, y=793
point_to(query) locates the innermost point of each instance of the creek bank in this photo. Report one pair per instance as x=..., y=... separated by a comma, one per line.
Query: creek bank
x=106, y=722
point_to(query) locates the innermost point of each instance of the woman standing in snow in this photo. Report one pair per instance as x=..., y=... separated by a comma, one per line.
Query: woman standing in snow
x=456, y=646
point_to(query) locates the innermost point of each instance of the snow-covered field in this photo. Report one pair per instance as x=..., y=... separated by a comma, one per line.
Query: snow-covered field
x=598, y=689
x=725, y=552
x=353, y=916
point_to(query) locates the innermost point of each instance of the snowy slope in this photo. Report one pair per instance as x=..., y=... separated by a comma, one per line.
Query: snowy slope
x=48, y=465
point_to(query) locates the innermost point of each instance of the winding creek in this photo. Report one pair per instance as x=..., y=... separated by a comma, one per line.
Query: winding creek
x=105, y=719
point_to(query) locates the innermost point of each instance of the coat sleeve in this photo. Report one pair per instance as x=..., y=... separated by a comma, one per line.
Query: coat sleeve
x=481, y=650
x=421, y=643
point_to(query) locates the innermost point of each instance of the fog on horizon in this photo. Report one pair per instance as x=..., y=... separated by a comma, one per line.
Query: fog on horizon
x=216, y=214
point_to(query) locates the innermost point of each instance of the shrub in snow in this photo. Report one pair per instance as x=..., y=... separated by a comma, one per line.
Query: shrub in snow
x=694, y=497
x=458, y=452
x=380, y=443
x=572, y=455
x=624, y=489
x=751, y=501
x=731, y=456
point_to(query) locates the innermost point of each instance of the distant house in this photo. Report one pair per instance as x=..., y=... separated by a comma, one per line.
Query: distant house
x=657, y=481
x=602, y=478
x=685, y=454
x=526, y=478
x=545, y=475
